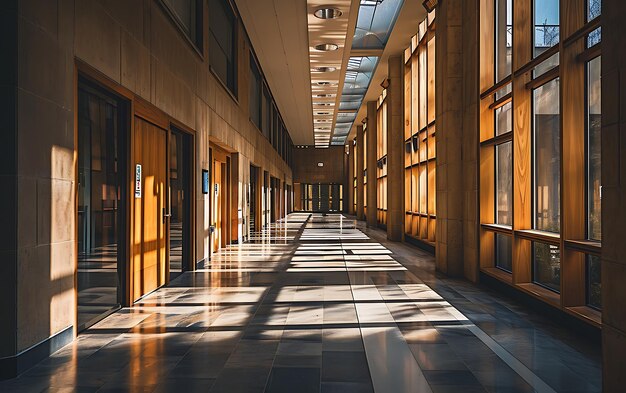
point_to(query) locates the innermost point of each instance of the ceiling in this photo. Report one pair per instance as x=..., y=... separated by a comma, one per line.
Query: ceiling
x=284, y=34
x=279, y=35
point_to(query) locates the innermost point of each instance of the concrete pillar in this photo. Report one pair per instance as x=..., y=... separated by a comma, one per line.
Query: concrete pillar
x=371, y=165
x=360, y=196
x=395, y=149
x=456, y=73
x=349, y=191
x=613, y=195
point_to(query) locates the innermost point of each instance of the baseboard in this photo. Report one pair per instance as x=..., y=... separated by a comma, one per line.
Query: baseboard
x=553, y=313
x=429, y=248
x=12, y=366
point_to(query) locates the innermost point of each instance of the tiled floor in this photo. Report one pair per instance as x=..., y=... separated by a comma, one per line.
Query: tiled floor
x=314, y=304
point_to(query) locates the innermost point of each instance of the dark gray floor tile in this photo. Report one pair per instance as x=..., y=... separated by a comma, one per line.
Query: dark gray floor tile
x=451, y=377
x=346, y=387
x=344, y=366
x=287, y=380
x=186, y=385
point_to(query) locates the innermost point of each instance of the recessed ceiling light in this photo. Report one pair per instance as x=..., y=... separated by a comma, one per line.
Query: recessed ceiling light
x=326, y=47
x=324, y=95
x=324, y=69
x=325, y=83
x=323, y=113
x=328, y=13
x=324, y=103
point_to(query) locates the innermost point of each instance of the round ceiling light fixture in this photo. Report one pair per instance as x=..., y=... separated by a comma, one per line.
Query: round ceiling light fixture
x=326, y=47
x=328, y=13
x=324, y=69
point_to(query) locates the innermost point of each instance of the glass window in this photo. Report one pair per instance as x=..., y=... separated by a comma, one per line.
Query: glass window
x=504, y=38
x=546, y=157
x=547, y=266
x=594, y=282
x=503, y=252
x=504, y=119
x=594, y=158
x=222, y=42
x=179, y=207
x=546, y=21
x=546, y=65
x=100, y=203
x=504, y=183
x=266, y=113
x=594, y=9
x=188, y=15
x=374, y=23
x=255, y=92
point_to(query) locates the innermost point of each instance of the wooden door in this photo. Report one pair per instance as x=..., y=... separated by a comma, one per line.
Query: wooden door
x=224, y=204
x=149, y=239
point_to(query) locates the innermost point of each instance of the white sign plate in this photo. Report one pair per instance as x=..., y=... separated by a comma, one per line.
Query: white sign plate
x=138, y=181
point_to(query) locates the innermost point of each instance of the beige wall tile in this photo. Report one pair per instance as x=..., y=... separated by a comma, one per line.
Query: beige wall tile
x=97, y=38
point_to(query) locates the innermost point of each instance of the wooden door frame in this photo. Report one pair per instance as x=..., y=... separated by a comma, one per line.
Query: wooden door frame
x=216, y=153
x=258, y=195
x=81, y=76
x=190, y=159
x=135, y=106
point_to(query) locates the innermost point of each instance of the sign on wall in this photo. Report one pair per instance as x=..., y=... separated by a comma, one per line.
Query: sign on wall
x=205, y=181
x=138, y=181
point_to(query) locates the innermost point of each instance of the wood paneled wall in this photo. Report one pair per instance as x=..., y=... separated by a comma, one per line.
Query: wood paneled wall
x=306, y=169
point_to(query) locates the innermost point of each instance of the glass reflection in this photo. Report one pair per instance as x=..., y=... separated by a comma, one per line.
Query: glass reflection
x=547, y=157
x=594, y=157
x=374, y=23
x=594, y=282
x=504, y=38
x=178, y=208
x=504, y=183
x=98, y=204
x=547, y=266
x=546, y=22
x=504, y=118
x=503, y=252
x=594, y=9
x=185, y=11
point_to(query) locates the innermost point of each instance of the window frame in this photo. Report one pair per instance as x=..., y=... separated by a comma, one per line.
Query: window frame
x=196, y=43
x=254, y=63
x=232, y=90
x=571, y=54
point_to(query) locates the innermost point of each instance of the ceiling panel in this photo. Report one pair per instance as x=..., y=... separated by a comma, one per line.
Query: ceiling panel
x=278, y=32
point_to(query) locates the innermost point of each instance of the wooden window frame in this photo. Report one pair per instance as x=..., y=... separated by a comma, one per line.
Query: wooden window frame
x=420, y=136
x=573, y=54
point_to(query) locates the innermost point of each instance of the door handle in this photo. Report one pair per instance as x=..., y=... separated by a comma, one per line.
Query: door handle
x=166, y=215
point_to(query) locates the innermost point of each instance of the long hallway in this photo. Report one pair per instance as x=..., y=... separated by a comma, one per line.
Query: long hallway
x=319, y=303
